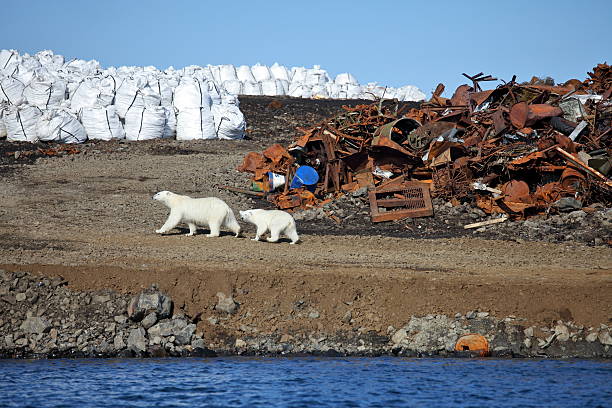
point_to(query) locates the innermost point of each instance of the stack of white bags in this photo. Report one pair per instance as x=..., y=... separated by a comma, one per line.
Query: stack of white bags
x=45, y=98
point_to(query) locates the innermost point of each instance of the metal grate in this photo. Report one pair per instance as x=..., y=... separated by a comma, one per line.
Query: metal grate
x=400, y=200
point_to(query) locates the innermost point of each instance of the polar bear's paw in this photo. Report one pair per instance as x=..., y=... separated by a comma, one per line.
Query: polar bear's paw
x=159, y=231
x=191, y=234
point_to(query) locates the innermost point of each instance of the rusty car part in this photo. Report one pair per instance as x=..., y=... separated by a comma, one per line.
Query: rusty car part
x=473, y=342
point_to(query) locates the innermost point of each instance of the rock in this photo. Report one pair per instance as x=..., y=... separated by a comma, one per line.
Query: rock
x=428, y=335
x=35, y=325
x=10, y=299
x=470, y=315
x=149, y=320
x=399, y=336
x=158, y=351
x=480, y=315
x=147, y=302
x=212, y=320
x=591, y=337
x=605, y=338
x=184, y=336
x=167, y=328
x=34, y=298
x=314, y=315
x=137, y=340
x=8, y=340
x=240, y=343
x=562, y=332
x=100, y=298
x=360, y=192
x=226, y=304
x=120, y=319
x=567, y=204
x=198, y=343
x=286, y=338
x=347, y=317
x=528, y=332
x=118, y=342
x=20, y=297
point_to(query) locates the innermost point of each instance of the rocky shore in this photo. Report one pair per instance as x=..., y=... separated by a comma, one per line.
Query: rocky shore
x=42, y=318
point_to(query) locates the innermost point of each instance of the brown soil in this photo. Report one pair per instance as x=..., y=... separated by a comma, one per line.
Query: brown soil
x=90, y=218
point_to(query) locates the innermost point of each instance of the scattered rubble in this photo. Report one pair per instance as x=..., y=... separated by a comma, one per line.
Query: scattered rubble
x=518, y=150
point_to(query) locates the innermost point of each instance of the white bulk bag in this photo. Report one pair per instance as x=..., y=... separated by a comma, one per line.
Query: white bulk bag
x=298, y=74
x=271, y=87
x=353, y=91
x=333, y=90
x=230, y=99
x=283, y=84
x=227, y=73
x=214, y=91
x=21, y=123
x=2, y=125
x=279, y=72
x=21, y=73
x=164, y=88
x=195, y=124
x=244, y=74
x=102, y=123
x=191, y=93
x=8, y=57
x=299, y=90
x=93, y=92
x=82, y=67
x=59, y=125
x=49, y=60
x=346, y=79
x=316, y=76
x=233, y=87
x=410, y=93
x=135, y=94
x=319, y=92
x=11, y=91
x=229, y=121
x=215, y=72
x=45, y=91
x=251, y=88
x=170, y=125
x=145, y=123
x=260, y=72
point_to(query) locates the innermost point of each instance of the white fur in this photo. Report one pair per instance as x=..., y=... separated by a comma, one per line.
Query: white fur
x=211, y=212
x=278, y=222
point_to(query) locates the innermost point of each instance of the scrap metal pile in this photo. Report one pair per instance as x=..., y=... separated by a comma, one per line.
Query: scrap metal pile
x=519, y=149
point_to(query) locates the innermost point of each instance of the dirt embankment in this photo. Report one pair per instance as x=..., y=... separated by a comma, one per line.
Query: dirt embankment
x=89, y=217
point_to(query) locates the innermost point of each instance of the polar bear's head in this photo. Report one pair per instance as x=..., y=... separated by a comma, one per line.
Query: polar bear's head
x=246, y=215
x=163, y=196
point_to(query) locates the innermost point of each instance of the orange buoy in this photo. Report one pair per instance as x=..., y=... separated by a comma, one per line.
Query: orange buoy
x=473, y=342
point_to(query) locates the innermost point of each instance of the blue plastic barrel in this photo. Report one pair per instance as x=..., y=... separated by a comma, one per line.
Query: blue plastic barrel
x=304, y=176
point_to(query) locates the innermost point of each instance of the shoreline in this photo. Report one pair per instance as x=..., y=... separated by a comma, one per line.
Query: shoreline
x=48, y=320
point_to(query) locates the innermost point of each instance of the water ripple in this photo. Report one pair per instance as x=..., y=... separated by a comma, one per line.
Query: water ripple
x=305, y=382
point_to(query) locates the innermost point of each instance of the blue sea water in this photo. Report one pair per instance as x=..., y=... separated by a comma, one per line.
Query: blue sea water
x=305, y=382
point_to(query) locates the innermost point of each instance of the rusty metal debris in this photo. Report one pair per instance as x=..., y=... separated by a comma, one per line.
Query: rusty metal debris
x=397, y=200
x=514, y=149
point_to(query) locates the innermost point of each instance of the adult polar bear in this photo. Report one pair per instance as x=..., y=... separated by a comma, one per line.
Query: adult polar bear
x=210, y=211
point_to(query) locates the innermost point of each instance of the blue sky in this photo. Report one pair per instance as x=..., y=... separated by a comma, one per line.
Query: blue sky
x=390, y=42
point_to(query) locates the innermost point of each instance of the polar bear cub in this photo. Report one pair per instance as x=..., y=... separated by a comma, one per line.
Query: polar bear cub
x=278, y=222
x=210, y=211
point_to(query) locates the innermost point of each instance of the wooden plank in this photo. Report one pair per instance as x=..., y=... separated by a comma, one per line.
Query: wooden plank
x=484, y=223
